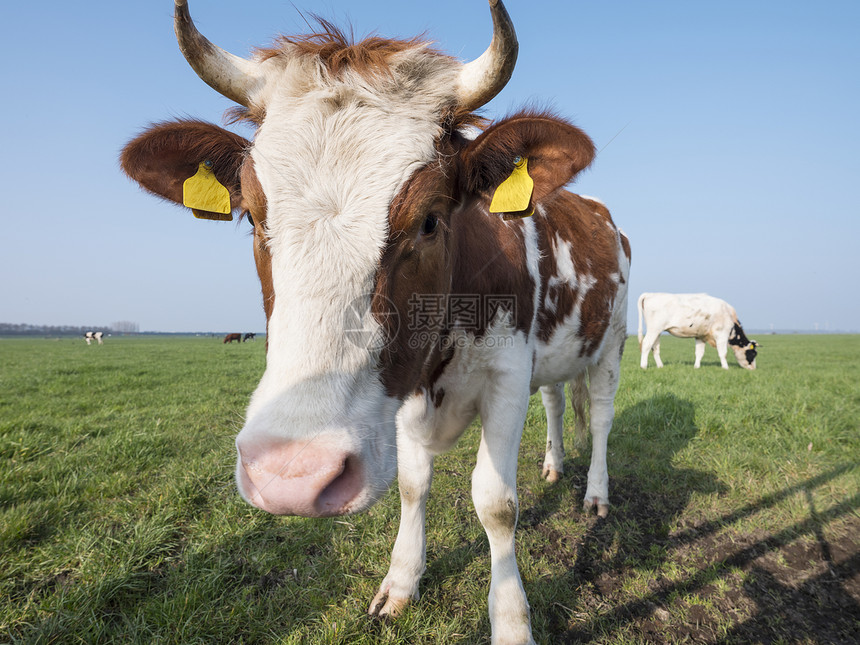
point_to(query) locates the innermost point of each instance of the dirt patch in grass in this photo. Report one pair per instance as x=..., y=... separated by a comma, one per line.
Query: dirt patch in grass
x=704, y=581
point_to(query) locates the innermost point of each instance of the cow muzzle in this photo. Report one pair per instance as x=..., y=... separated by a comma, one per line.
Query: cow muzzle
x=312, y=478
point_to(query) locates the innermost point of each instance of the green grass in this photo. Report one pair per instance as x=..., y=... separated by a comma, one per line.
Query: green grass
x=119, y=520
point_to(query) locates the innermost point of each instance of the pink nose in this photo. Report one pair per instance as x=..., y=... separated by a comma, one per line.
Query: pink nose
x=313, y=479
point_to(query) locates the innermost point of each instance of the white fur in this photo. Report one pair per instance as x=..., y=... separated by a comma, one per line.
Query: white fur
x=330, y=156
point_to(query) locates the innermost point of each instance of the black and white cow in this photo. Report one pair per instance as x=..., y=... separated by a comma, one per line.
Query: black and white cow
x=90, y=336
x=693, y=315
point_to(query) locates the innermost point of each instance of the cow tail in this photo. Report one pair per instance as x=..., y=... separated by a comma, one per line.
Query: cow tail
x=640, y=305
x=579, y=401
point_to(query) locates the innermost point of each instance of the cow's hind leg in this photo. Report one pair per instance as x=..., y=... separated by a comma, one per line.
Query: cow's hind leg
x=553, y=403
x=647, y=344
x=656, y=350
x=408, y=559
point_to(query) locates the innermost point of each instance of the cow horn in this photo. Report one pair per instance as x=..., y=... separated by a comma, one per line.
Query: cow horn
x=230, y=75
x=485, y=76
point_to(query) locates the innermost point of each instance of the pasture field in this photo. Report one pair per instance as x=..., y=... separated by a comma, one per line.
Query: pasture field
x=734, y=520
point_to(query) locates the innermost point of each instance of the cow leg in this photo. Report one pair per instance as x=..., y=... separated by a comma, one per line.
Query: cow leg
x=656, y=350
x=408, y=559
x=647, y=343
x=494, y=492
x=603, y=383
x=553, y=403
x=722, y=348
x=700, y=351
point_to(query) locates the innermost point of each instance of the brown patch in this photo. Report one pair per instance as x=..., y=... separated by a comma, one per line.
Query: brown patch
x=254, y=202
x=625, y=245
x=594, y=252
x=338, y=51
x=415, y=270
x=491, y=261
x=372, y=58
x=162, y=157
x=475, y=253
x=471, y=254
x=556, y=152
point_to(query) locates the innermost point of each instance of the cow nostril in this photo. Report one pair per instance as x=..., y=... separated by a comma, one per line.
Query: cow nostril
x=342, y=489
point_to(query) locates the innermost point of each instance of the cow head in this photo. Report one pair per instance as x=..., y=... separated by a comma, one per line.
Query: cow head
x=743, y=347
x=358, y=184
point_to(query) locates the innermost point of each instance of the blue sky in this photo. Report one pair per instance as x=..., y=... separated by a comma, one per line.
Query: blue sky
x=729, y=135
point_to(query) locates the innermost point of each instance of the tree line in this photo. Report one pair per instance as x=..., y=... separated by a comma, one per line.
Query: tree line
x=24, y=329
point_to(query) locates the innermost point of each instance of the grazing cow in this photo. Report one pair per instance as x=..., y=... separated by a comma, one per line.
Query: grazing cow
x=229, y=338
x=412, y=279
x=693, y=315
x=249, y=336
x=90, y=336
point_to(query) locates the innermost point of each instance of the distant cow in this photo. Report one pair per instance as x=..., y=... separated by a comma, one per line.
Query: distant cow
x=693, y=315
x=90, y=336
x=249, y=336
x=229, y=338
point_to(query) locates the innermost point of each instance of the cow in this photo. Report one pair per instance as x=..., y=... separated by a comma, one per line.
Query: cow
x=90, y=336
x=249, y=336
x=413, y=279
x=693, y=315
x=229, y=338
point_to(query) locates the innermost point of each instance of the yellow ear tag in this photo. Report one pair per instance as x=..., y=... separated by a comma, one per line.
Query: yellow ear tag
x=514, y=193
x=203, y=192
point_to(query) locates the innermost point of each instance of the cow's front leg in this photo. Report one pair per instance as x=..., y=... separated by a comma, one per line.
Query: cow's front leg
x=722, y=348
x=408, y=559
x=494, y=493
x=700, y=352
x=603, y=383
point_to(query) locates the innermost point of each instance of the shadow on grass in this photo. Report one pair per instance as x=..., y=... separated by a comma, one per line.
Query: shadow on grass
x=781, y=603
x=820, y=609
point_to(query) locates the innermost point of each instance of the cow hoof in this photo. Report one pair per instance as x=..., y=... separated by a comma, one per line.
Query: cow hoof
x=550, y=474
x=602, y=509
x=386, y=606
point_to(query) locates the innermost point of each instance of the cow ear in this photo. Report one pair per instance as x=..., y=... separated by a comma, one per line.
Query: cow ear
x=554, y=152
x=166, y=155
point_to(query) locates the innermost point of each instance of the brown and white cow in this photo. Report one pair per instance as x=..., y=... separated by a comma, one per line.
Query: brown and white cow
x=693, y=315
x=398, y=307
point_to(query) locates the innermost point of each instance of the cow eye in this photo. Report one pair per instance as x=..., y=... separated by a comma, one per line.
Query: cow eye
x=430, y=224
